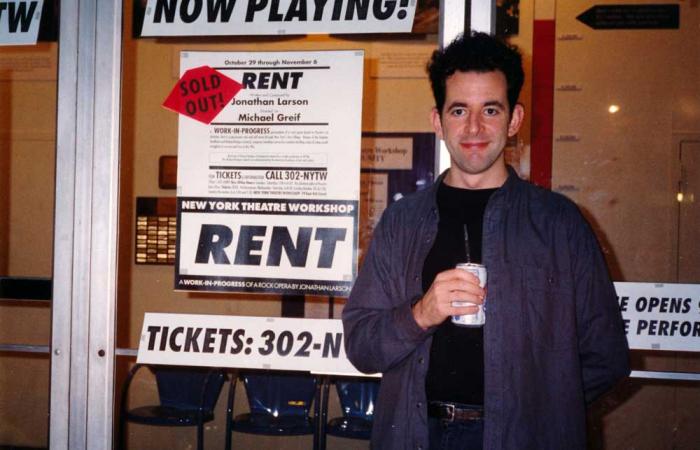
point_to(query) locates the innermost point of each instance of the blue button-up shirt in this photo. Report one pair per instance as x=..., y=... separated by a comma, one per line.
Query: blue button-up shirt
x=553, y=340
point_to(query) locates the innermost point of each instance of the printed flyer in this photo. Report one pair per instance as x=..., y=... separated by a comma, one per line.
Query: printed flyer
x=268, y=189
x=393, y=166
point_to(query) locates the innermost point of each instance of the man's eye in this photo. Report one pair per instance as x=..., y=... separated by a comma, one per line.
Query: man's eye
x=458, y=112
x=491, y=111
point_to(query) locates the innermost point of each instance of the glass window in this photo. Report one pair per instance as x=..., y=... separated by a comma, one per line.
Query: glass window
x=28, y=81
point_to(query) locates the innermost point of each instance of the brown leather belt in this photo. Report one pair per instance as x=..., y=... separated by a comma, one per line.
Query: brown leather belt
x=449, y=412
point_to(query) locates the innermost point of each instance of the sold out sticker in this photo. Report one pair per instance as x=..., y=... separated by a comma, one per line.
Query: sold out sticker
x=201, y=93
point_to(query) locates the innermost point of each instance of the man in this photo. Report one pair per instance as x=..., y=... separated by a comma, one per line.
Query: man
x=553, y=340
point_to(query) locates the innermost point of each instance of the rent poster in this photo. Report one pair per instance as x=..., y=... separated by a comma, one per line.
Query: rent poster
x=268, y=188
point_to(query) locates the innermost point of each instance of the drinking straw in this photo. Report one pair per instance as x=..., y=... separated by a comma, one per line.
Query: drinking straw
x=466, y=244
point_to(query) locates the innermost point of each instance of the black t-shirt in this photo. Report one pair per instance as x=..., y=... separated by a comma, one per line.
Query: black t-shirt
x=456, y=370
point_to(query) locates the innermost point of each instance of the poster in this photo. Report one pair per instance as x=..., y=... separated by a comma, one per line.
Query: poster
x=393, y=166
x=660, y=316
x=268, y=191
x=275, y=17
x=20, y=21
x=245, y=342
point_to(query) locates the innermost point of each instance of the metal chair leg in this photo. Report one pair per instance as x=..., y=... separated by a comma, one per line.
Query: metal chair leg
x=121, y=432
x=229, y=411
x=324, y=413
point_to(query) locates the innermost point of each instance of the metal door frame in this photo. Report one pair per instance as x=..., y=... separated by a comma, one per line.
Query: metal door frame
x=85, y=225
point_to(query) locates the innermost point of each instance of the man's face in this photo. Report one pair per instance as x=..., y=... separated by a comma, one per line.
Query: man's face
x=475, y=124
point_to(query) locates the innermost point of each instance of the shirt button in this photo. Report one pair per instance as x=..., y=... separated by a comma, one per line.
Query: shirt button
x=415, y=277
x=419, y=404
x=420, y=447
x=420, y=360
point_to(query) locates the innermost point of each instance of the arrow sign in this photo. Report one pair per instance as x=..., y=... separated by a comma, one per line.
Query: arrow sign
x=631, y=17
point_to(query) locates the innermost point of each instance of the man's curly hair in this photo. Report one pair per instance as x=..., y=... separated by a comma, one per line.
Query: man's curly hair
x=478, y=52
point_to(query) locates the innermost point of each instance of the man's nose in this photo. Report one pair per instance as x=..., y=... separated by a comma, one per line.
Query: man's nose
x=473, y=124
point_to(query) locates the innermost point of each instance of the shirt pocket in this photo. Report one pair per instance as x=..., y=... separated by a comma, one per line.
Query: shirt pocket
x=548, y=313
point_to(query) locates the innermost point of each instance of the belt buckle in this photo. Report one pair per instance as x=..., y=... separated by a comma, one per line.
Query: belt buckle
x=450, y=412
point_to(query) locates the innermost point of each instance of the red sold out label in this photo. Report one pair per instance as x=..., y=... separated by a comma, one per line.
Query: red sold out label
x=201, y=93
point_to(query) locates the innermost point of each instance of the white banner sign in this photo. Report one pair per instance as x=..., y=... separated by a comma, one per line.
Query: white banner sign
x=268, y=191
x=259, y=17
x=310, y=345
x=657, y=317
x=661, y=316
x=19, y=21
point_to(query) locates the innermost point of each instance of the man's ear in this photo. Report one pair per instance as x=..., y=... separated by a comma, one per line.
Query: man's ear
x=437, y=123
x=516, y=120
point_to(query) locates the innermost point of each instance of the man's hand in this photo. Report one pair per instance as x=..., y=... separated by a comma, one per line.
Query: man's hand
x=452, y=285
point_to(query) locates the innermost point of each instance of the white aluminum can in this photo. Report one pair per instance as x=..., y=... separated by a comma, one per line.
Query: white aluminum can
x=479, y=318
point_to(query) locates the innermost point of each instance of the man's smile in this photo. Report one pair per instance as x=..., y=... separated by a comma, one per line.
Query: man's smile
x=474, y=146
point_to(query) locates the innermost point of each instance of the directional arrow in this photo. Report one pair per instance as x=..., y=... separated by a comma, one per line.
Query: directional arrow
x=631, y=17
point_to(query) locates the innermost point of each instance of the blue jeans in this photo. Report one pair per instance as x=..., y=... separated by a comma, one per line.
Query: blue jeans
x=456, y=435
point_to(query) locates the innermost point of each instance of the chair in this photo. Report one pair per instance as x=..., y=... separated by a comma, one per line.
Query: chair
x=187, y=397
x=357, y=399
x=280, y=405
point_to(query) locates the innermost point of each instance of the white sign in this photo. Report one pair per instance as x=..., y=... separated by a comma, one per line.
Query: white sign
x=19, y=21
x=310, y=345
x=268, y=192
x=661, y=316
x=260, y=17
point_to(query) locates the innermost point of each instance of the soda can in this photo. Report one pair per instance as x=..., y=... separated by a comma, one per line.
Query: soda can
x=479, y=318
